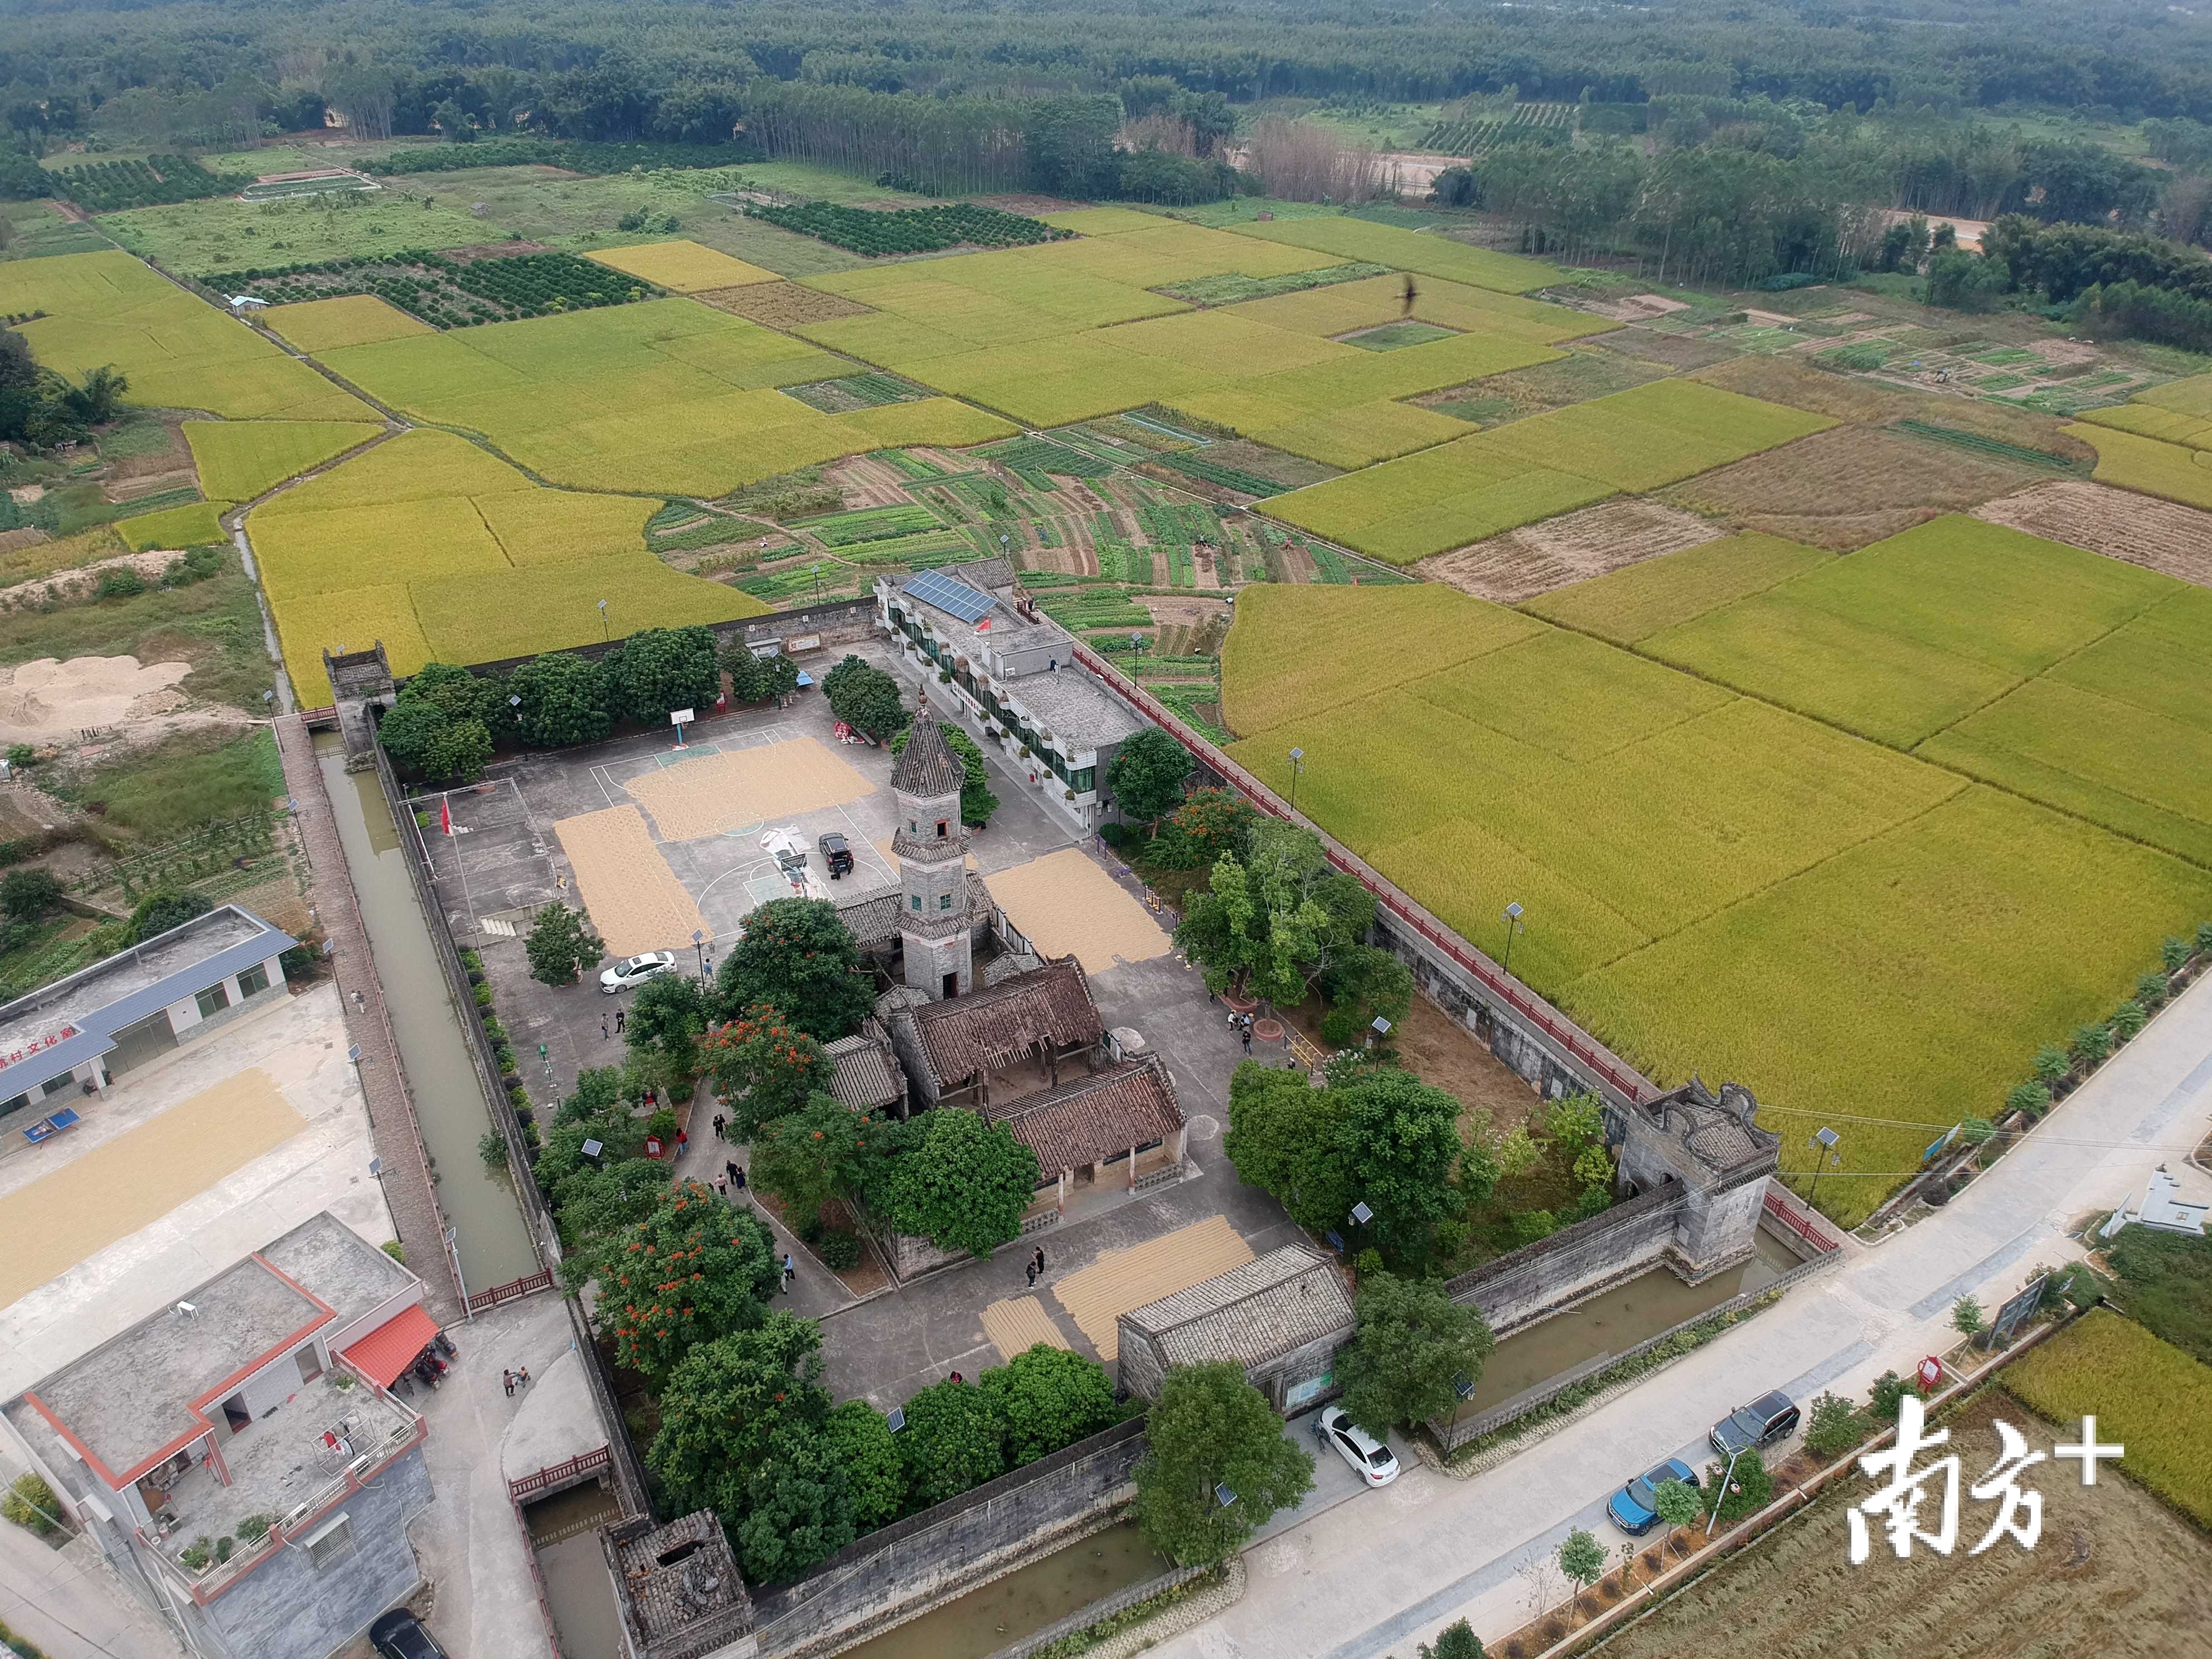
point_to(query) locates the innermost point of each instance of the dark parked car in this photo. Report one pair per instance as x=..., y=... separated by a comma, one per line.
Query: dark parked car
x=1634, y=1509
x=1768, y=1418
x=836, y=854
x=399, y=1635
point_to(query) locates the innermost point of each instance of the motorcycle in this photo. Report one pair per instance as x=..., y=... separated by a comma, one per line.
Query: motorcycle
x=426, y=1371
x=444, y=1345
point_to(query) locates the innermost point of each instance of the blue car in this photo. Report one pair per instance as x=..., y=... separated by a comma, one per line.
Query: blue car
x=1633, y=1508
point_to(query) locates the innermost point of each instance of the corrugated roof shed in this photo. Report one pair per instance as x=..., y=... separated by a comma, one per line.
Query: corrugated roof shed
x=998, y=1026
x=1096, y=1118
x=1269, y=1307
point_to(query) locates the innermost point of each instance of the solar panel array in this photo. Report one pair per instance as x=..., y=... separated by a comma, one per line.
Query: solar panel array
x=954, y=598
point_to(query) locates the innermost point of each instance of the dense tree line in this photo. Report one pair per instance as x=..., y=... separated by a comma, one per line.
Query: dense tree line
x=673, y=68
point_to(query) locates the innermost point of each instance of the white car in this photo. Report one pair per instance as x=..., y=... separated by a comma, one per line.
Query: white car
x=1375, y=1462
x=636, y=970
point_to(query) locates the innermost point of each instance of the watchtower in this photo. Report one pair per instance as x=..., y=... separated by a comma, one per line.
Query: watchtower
x=931, y=846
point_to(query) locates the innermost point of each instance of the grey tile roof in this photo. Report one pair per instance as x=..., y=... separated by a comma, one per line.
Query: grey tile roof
x=927, y=766
x=1280, y=1302
x=996, y=1027
x=864, y=1077
x=985, y=575
x=1096, y=1118
x=872, y=917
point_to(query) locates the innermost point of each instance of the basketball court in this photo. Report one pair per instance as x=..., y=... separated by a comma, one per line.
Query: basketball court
x=1065, y=904
x=1121, y=1280
x=720, y=792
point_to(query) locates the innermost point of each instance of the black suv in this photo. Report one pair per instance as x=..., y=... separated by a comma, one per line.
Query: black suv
x=399, y=1635
x=836, y=854
x=1768, y=1418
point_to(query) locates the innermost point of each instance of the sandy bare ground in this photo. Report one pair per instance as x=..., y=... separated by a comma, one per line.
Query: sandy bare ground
x=1063, y=904
x=50, y=701
x=864, y=483
x=1119, y=1281
x=2117, y=523
x=1539, y=557
x=149, y=564
x=633, y=897
x=718, y=793
x=1195, y=611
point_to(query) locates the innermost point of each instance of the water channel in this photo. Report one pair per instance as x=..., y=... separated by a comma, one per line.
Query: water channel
x=1616, y=1321
x=489, y=1228
x=1024, y=1601
x=564, y=1534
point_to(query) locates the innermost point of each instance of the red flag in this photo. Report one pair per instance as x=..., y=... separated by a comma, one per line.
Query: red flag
x=445, y=813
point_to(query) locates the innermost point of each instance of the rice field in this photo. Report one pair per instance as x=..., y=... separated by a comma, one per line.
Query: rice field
x=316, y=325
x=179, y=352
x=1406, y=250
x=2131, y=461
x=196, y=524
x=1714, y=882
x=238, y=459
x=1479, y=485
x=683, y=267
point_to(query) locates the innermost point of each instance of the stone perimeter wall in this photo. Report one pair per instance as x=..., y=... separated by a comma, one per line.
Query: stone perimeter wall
x=1540, y=1279
x=912, y=1565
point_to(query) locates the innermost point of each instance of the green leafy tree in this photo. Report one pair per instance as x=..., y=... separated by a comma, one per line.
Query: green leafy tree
x=764, y=1067
x=697, y=1268
x=157, y=913
x=1413, y=1346
x=1967, y=1317
x=408, y=729
x=798, y=954
x=1283, y=1137
x=459, y=753
x=1676, y=1503
x=1048, y=1398
x=866, y=698
x=1207, y=824
x=31, y=1505
x=26, y=895
x=559, y=945
x=1400, y=1140
x=1456, y=1640
x=667, y=1017
x=961, y=1182
x=2091, y=1046
x=1745, y=1492
x=564, y=701
x=954, y=1439
x=749, y=680
x=660, y=670
x=723, y=1404
x=798, y=1507
x=1582, y=1558
x=2053, y=1063
x=1275, y=917
x=814, y=1154
x=1147, y=778
x=1210, y=1428
x=867, y=1450
x=1832, y=1426
x=977, y=803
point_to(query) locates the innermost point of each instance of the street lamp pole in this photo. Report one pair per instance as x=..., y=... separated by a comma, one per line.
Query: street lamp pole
x=1298, y=766
x=1824, y=1142
x=1513, y=925
x=699, y=944
x=603, y=634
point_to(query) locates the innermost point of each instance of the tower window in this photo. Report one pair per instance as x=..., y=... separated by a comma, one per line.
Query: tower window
x=945, y=900
x=912, y=828
x=917, y=900
x=940, y=829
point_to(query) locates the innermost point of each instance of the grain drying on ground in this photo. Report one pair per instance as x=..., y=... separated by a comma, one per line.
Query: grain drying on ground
x=1120, y=1281
x=179, y=352
x=1064, y=904
x=1713, y=883
x=1631, y=603
x=714, y=794
x=238, y=460
x=1019, y=1323
x=1571, y=548
x=2114, y=1575
x=634, y=901
x=2117, y=523
x=684, y=267
x=1842, y=488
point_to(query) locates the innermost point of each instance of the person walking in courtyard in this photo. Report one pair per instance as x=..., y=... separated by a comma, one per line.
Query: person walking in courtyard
x=719, y=1121
x=1039, y=1260
x=603, y=1028
x=722, y=1185
x=522, y=1376
x=741, y=1178
x=730, y=1171
x=1245, y=1035
x=1029, y=1267
x=790, y=1272
x=621, y=1014
x=507, y=1378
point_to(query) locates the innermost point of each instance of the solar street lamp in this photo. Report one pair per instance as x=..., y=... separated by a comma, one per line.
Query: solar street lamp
x=1824, y=1143
x=603, y=621
x=1513, y=925
x=1298, y=766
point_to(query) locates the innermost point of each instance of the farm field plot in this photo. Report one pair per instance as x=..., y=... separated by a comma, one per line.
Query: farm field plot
x=1842, y=488
x=667, y=396
x=1340, y=308
x=179, y=352
x=1902, y=639
x=441, y=549
x=239, y=459
x=1636, y=601
x=1492, y=482
x=2117, y=523
x=1575, y=378
x=1406, y=250
x=195, y=524
x=349, y=319
x=685, y=267
x=1810, y=887
x=1572, y=547
x=1796, y=1592
x=2149, y=464
x=197, y=237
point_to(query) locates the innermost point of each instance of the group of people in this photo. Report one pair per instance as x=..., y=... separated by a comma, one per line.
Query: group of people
x=1242, y=1025
x=517, y=1377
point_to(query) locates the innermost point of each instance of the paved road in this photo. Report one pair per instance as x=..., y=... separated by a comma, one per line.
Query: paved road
x=1373, y=1576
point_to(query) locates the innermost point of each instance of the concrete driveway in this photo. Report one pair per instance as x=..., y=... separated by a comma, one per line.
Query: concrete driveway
x=1375, y=1576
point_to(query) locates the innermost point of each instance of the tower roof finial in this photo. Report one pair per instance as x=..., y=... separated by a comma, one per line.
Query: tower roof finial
x=928, y=766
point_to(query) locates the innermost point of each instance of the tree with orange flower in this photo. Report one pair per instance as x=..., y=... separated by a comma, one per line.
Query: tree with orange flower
x=762, y=1066
x=696, y=1268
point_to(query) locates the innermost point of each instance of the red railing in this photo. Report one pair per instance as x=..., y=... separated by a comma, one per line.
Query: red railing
x=1800, y=1226
x=1548, y=1019
x=514, y=1291
x=584, y=1463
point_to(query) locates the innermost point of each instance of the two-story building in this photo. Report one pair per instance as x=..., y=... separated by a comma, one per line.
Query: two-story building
x=238, y=1457
x=1009, y=676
